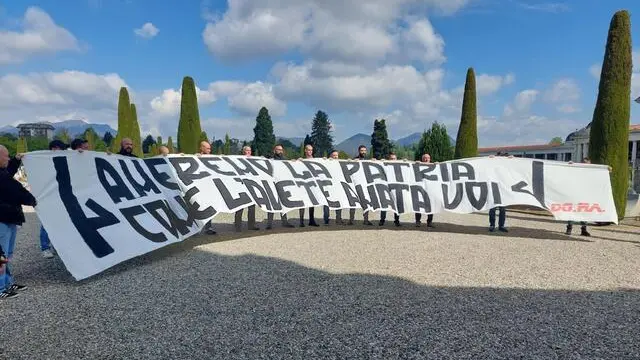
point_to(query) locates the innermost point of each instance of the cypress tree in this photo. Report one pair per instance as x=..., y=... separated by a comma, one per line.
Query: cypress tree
x=227, y=144
x=189, y=126
x=159, y=141
x=263, y=137
x=203, y=137
x=380, y=144
x=21, y=146
x=134, y=134
x=321, y=138
x=467, y=139
x=124, y=114
x=609, y=134
x=170, y=145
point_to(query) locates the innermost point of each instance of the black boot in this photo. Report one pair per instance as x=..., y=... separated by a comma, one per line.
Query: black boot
x=584, y=232
x=569, y=229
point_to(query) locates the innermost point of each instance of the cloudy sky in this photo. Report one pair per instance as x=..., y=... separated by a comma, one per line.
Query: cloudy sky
x=537, y=63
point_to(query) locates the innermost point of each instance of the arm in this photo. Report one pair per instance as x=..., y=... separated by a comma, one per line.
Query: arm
x=14, y=165
x=15, y=193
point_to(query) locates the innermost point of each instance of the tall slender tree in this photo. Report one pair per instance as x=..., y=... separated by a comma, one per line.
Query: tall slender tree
x=189, y=129
x=380, y=144
x=21, y=146
x=124, y=116
x=159, y=141
x=467, y=138
x=170, y=145
x=107, y=138
x=136, y=138
x=147, y=143
x=609, y=133
x=263, y=137
x=321, y=138
x=227, y=144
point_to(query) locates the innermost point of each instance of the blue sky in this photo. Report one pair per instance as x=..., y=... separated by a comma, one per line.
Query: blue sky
x=536, y=63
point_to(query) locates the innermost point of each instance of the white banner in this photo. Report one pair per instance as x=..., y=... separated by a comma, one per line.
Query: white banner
x=100, y=209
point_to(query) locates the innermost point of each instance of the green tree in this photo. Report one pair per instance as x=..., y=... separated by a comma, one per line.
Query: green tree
x=159, y=141
x=343, y=155
x=467, y=139
x=147, y=143
x=134, y=129
x=170, y=145
x=189, y=126
x=263, y=138
x=556, y=141
x=609, y=134
x=21, y=147
x=436, y=143
x=227, y=145
x=203, y=137
x=153, y=150
x=321, y=138
x=107, y=138
x=10, y=142
x=380, y=144
x=93, y=139
x=63, y=135
x=301, y=148
x=307, y=140
x=124, y=116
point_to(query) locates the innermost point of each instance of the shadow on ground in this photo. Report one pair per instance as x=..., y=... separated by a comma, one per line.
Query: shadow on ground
x=204, y=306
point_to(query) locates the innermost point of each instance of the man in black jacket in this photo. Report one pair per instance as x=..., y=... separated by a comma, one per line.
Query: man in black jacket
x=126, y=148
x=362, y=155
x=383, y=214
x=12, y=197
x=278, y=154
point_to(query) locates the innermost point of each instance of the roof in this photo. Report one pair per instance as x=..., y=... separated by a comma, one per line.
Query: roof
x=36, y=125
x=520, y=148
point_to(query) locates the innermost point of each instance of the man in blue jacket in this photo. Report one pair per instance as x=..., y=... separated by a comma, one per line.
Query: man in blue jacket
x=12, y=197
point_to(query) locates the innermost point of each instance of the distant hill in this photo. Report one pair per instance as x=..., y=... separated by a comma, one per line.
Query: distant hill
x=294, y=140
x=350, y=145
x=415, y=138
x=74, y=127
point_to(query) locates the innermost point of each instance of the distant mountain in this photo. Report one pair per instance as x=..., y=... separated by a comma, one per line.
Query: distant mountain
x=9, y=130
x=415, y=138
x=74, y=127
x=350, y=145
x=294, y=140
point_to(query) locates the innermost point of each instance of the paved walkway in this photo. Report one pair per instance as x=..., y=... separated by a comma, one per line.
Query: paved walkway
x=341, y=292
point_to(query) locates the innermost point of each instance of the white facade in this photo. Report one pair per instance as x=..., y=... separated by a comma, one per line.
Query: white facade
x=575, y=148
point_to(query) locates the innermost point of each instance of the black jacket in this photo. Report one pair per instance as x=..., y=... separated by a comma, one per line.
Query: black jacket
x=124, y=153
x=13, y=195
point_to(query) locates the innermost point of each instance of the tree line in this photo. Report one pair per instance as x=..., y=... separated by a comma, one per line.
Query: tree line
x=608, y=142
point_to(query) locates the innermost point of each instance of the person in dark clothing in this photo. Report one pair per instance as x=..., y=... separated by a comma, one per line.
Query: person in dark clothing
x=383, y=214
x=278, y=154
x=583, y=224
x=45, y=244
x=425, y=158
x=126, y=148
x=12, y=197
x=325, y=210
x=362, y=155
x=80, y=144
x=251, y=210
x=308, y=154
x=502, y=217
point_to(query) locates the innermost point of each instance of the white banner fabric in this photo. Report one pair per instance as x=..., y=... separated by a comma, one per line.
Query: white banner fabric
x=100, y=210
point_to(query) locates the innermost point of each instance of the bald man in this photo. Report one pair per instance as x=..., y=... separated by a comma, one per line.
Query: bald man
x=205, y=149
x=163, y=150
x=126, y=148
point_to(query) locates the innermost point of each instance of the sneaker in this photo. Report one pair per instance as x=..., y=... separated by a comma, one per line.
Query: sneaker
x=17, y=287
x=314, y=224
x=210, y=231
x=492, y=228
x=568, y=232
x=430, y=225
x=584, y=232
x=381, y=223
x=418, y=224
x=368, y=223
x=8, y=294
x=503, y=229
x=397, y=223
x=47, y=254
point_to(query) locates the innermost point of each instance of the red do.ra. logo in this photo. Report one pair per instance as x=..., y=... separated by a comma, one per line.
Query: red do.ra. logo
x=579, y=207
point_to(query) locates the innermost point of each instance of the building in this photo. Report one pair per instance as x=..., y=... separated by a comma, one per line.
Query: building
x=575, y=148
x=36, y=130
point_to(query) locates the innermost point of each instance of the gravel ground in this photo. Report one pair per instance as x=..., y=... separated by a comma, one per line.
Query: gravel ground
x=456, y=291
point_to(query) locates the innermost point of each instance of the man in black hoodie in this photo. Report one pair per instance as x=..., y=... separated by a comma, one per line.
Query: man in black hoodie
x=12, y=197
x=362, y=155
x=278, y=154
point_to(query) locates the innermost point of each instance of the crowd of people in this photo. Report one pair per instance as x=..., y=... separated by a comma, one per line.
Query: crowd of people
x=13, y=195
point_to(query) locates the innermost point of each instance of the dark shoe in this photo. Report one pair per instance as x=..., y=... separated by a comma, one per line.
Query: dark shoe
x=397, y=223
x=269, y=227
x=287, y=225
x=17, y=287
x=503, y=229
x=381, y=223
x=326, y=222
x=430, y=225
x=8, y=294
x=313, y=223
x=492, y=228
x=301, y=224
x=584, y=232
x=254, y=228
x=211, y=232
x=418, y=224
x=368, y=223
x=350, y=222
x=339, y=222
x=568, y=232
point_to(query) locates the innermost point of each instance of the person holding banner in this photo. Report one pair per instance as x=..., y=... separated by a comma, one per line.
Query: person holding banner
x=163, y=150
x=325, y=210
x=362, y=155
x=278, y=154
x=383, y=214
x=308, y=154
x=45, y=244
x=12, y=197
x=126, y=148
x=583, y=224
x=426, y=158
x=205, y=149
x=502, y=217
x=251, y=212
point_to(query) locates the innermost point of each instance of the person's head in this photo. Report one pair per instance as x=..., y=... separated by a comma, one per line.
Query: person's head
x=393, y=156
x=127, y=145
x=163, y=150
x=57, y=145
x=308, y=151
x=79, y=144
x=4, y=157
x=278, y=149
x=586, y=160
x=205, y=148
x=362, y=151
x=246, y=150
x=334, y=154
x=426, y=158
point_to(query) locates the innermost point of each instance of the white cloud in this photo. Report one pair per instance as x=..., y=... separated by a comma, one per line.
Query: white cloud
x=489, y=84
x=253, y=96
x=551, y=7
x=40, y=35
x=521, y=103
x=563, y=90
x=169, y=102
x=147, y=31
x=327, y=29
